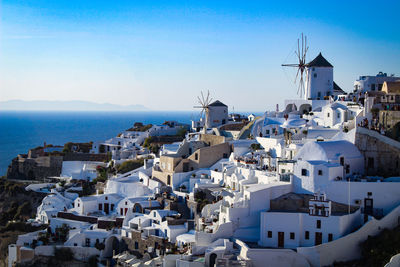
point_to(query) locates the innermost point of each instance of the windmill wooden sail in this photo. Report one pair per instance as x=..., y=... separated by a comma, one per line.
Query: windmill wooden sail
x=204, y=103
x=301, y=54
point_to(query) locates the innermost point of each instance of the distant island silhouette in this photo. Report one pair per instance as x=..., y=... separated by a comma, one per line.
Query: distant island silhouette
x=73, y=105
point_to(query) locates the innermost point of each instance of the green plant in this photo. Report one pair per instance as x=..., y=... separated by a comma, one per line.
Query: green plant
x=62, y=232
x=130, y=165
x=255, y=146
x=147, y=141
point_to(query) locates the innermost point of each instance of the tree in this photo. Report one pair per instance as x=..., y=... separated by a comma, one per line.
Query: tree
x=182, y=132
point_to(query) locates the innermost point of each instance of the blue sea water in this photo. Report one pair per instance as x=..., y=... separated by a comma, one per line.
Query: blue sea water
x=22, y=130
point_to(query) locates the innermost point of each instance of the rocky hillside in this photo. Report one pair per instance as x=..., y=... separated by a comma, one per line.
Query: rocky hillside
x=16, y=206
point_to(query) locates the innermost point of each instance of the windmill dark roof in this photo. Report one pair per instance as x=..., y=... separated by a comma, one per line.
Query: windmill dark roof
x=319, y=61
x=337, y=88
x=217, y=104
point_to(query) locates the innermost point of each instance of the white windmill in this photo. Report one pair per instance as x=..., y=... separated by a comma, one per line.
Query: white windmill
x=204, y=103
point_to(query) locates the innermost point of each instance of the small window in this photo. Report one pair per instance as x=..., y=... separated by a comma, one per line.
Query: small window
x=315, y=75
x=136, y=245
x=100, y=206
x=269, y=234
x=342, y=161
x=319, y=224
x=319, y=172
x=328, y=114
x=106, y=198
x=303, y=172
x=126, y=202
x=196, y=156
x=330, y=237
x=292, y=235
x=338, y=115
x=307, y=235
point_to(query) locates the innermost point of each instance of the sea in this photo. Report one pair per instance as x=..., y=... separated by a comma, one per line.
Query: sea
x=22, y=130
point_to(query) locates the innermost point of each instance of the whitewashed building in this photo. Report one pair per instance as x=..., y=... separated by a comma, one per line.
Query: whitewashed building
x=321, y=224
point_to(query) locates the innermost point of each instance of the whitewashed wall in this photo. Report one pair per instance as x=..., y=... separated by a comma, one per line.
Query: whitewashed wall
x=347, y=247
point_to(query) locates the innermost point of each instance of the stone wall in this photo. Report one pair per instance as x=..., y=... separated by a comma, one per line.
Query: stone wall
x=39, y=168
x=212, y=140
x=35, y=168
x=389, y=118
x=144, y=243
x=381, y=153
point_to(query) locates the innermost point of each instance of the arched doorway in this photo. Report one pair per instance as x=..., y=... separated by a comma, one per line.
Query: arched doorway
x=305, y=108
x=291, y=107
x=111, y=246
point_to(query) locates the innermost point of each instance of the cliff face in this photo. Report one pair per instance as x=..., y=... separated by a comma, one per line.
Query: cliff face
x=16, y=205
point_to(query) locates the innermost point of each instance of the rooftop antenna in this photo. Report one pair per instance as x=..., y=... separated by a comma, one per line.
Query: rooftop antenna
x=301, y=66
x=204, y=103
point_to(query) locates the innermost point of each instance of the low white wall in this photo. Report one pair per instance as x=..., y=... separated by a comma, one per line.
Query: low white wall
x=180, y=177
x=183, y=263
x=58, y=222
x=347, y=248
x=385, y=194
x=272, y=257
x=205, y=239
x=394, y=261
x=209, y=209
x=151, y=184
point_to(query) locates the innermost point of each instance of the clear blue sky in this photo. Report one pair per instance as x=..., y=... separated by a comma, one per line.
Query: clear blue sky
x=163, y=53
